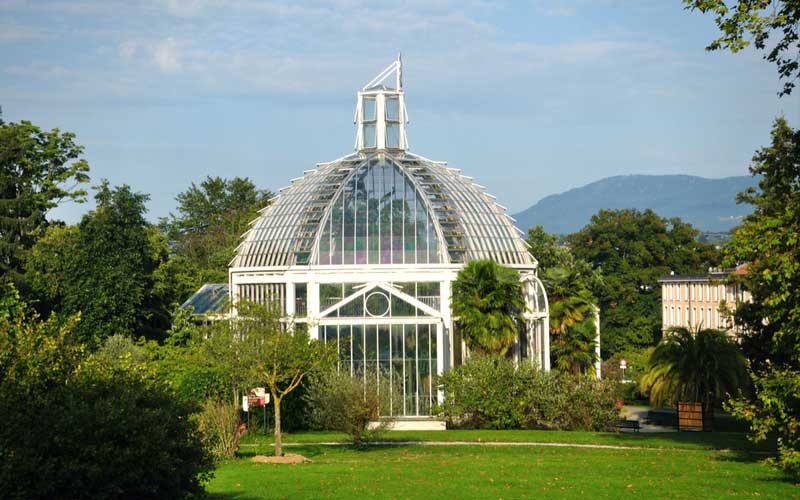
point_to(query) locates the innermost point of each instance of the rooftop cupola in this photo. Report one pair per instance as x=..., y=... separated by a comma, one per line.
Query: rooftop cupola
x=381, y=112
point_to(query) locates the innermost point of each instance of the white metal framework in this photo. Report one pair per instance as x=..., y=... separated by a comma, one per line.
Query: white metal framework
x=364, y=249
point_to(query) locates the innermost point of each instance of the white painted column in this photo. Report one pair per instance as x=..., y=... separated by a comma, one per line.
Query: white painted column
x=444, y=307
x=546, y=343
x=313, y=309
x=440, y=356
x=290, y=302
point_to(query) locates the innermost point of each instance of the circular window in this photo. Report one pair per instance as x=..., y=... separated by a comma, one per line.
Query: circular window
x=377, y=304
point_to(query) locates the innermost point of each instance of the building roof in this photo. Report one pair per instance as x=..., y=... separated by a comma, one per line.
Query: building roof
x=211, y=298
x=381, y=204
x=711, y=276
x=407, y=204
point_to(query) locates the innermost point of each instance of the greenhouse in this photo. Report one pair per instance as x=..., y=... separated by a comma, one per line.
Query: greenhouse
x=363, y=251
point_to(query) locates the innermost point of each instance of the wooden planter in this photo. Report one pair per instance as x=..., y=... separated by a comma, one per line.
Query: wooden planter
x=693, y=417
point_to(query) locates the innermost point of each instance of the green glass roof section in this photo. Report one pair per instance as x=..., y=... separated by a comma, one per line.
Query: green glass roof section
x=462, y=222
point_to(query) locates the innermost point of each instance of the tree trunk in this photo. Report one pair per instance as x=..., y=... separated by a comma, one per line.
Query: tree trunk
x=278, y=444
x=708, y=415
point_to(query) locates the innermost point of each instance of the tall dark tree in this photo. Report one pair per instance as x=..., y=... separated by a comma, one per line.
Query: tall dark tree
x=210, y=220
x=38, y=169
x=769, y=243
x=109, y=277
x=633, y=250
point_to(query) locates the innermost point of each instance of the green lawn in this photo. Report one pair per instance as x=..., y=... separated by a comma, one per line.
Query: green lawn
x=681, y=466
x=678, y=440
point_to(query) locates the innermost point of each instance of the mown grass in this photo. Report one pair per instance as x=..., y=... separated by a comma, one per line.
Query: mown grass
x=667, y=440
x=448, y=472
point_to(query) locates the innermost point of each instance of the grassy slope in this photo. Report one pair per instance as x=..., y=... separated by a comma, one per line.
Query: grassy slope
x=503, y=472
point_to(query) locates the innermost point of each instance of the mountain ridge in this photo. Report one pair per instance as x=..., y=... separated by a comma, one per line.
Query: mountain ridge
x=708, y=204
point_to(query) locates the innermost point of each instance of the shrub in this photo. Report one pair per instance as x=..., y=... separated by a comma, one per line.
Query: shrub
x=347, y=404
x=487, y=393
x=491, y=393
x=114, y=431
x=221, y=427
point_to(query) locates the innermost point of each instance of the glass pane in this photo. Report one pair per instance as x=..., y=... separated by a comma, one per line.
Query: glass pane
x=392, y=109
x=378, y=219
x=392, y=135
x=369, y=135
x=358, y=351
x=368, y=111
x=345, y=347
x=410, y=344
x=383, y=349
x=398, y=370
x=371, y=350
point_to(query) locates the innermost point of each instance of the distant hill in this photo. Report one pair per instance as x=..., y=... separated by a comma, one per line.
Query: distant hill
x=708, y=204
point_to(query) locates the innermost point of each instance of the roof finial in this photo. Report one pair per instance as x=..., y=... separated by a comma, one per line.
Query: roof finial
x=396, y=68
x=399, y=71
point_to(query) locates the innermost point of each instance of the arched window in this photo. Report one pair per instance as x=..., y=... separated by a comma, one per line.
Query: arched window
x=378, y=218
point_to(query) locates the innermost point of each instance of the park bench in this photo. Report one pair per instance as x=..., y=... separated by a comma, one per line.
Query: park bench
x=629, y=424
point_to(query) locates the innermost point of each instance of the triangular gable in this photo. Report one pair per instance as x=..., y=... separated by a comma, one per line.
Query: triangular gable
x=386, y=287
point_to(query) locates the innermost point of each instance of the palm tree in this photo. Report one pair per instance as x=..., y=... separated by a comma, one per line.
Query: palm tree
x=573, y=349
x=489, y=304
x=700, y=367
x=572, y=323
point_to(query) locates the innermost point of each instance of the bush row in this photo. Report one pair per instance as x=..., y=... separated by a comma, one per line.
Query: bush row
x=492, y=393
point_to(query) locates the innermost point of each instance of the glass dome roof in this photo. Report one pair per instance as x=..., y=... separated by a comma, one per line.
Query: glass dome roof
x=381, y=208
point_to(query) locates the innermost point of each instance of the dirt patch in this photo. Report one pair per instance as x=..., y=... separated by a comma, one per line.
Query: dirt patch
x=286, y=459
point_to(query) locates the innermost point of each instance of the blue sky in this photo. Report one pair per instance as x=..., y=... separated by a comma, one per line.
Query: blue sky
x=530, y=98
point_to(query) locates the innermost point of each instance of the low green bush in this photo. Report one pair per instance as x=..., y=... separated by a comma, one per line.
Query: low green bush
x=490, y=392
x=339, y=402
x=77, y=426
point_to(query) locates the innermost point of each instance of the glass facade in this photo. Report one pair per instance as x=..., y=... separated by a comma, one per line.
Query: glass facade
x=404, y=355
x=378, y=218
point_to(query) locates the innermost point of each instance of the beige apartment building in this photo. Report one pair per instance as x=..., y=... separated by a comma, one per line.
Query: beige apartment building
x=694, y=301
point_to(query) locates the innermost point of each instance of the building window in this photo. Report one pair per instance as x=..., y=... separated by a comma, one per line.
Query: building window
x=379, y=218
x=393, y=109
x=369, y=118
x=392, y=122
x=392, y=135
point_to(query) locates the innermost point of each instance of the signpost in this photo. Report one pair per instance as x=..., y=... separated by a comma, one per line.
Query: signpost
x=622, y=365
x=257, y=397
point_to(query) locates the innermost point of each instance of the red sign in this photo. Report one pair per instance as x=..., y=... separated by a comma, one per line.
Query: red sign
x=623, y=364
x=256, y=401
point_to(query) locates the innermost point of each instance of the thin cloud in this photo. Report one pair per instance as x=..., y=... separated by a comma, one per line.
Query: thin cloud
x=167, y=56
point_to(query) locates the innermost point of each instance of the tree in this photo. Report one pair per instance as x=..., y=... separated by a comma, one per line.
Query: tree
x=258, y=347
x=568, y=282
x=758, y=20
x=489, y=306
x=211, y=219
x=116, y=432
x=703, y=367
x=112, y=267
x=38, y=170
x=767, y=242
x=633, y=250
x=49, y=266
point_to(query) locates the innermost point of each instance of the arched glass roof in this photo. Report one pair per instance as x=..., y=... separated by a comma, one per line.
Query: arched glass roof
x=381, y=208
